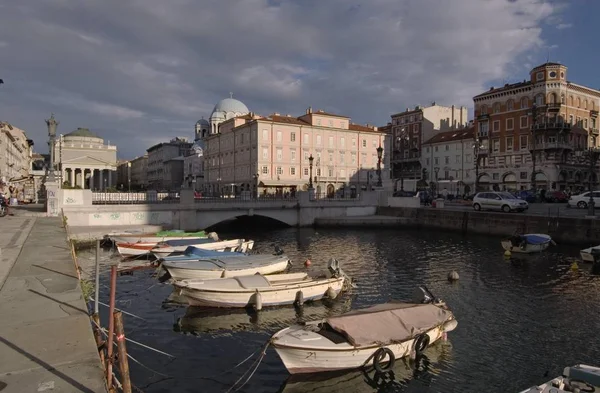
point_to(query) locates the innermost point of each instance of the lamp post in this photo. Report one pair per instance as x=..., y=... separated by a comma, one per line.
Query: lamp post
x=400, y=140
x=52, y=123
x=477, y=145
x=129, y=176
x=310, y=166
x=219, y=186
x=436, y=170
x=379, y=155
x=592, y=154
x=533, y=113
x=255, y=176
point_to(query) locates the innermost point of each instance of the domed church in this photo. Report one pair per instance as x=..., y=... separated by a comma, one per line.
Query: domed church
x=225, y=109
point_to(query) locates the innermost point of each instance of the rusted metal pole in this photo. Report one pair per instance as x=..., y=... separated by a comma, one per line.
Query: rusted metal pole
x=98, y=335
x=123, y=362
x=111, y=326
x=97, y=279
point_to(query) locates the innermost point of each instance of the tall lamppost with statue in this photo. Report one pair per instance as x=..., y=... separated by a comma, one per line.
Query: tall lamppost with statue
x=310, y=167
x=402, y=138
x=477, y=146
x=379, y=155
x=52, y=123
x=591, y=155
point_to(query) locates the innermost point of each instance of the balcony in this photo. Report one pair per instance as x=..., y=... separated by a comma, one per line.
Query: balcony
x=554, y=107
x=483, y=116
x=554, y=126
x=594, y=131
x=551, y=146
x=594, y=114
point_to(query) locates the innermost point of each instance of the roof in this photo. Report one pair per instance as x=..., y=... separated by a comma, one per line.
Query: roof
x=231, y=105
x=507, y=86
x=392, y=322
x=323, y=113
x=285, y=119
x=359, y=127
x=83, y=132
x=454, y=135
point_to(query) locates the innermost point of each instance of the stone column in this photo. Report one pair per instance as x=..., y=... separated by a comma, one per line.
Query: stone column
x=72, y=177
x=109, y=184
x=101, y=178
x=91, y=182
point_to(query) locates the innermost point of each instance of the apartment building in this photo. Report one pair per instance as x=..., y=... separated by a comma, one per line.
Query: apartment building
x=15, y=153
x=161, y=170
x=535, y=132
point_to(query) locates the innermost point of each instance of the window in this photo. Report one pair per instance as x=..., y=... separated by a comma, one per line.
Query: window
x=510, y=124
x=523, y=142
x=524, y=122
x=523, y=175
x=330, y=141
x=427, y=150
x=306, y=155
x=278, y=136
x=265, y=153
x=293, y=137
x=447, y=160
x=330, y=157
x=293, y=155
x=305, y=171
x=585, y=123
x=305, y=139
x=293, y=171
x=405, y=153
x=416, y=127
x=483, y=128
x=279, y=155
x=509, y=143
x=524, y=103
x=447, y=147
x=342, y=173
x=510, y=104
x=496, y=125
x=412, y=118
x=467, y=158
x=318, y=140
x=343, y=142
x=436, y=148
x=353, y=158
x=318, y=171
x=353, y=142
x=446, y=174
x=265, y=170
x=318, y=122
x=436, y=161
x=483, y=110
x=427, y=161
x=496, y=145
x=330, y=123
x=342, y=158
x=496, y=176
x=279, y=170
x=265, y=135
x=571, y=119
x=364, y=143
x=374, y=143
x=330, y=172
x=539, y=99
x=497, y=107
x=458, y=159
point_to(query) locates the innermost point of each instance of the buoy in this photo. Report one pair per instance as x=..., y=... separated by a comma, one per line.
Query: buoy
x=331, y=293
x=307, y=263
x=299, y=299
x=257, y=301
x=574, y=266
x=507, y=254
x=453, y=276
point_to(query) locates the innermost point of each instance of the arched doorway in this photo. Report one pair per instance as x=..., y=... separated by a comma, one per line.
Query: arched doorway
x=484, y=182
x=541, y=180
x=509, y=181
x=330, y=190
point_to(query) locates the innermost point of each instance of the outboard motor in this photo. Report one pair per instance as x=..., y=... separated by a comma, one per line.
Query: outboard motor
x=334, y=266
x=213, y=236
x=278, y=251
x=422, y=295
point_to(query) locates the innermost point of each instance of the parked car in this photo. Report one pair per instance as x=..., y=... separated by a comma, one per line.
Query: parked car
x=526, y=195
x=581, y=200
x=502, y=201
x=557, y=197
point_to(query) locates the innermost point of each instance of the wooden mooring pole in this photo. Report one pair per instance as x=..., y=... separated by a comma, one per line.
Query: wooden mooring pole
x=100, y=343
x=111, y=327
x=123, y=362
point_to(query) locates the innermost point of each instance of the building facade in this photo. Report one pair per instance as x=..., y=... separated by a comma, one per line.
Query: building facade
x=163, y=176
x=193, y=167
x=413, y=127
x=535, y=132
x=448, y=157
x=15, y=154
x=272, y=155
x=139, y=173
x=85, y=161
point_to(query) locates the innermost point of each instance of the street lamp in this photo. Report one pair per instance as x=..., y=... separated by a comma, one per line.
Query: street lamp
x=592, y=155
x=219, y=186
x=533, y=113
x=310, y=166
x=52, y=123
x=436, y=170
x=379, y=155
x=255, y=176
x=477, y=145
x=129, y=175
x=400, y=140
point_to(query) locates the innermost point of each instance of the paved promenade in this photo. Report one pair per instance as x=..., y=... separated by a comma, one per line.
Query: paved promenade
x=46, y=341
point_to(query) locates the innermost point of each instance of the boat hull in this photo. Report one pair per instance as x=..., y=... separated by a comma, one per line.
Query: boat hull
x=134, y=249
x=529, y=248
x=244, y=246
x=586, y=254
x=270, y=296
x=187, y=274
x=148, y=239
x=314, y=360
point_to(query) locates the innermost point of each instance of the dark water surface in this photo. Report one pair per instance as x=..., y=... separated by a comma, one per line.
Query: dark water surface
x=516, y=321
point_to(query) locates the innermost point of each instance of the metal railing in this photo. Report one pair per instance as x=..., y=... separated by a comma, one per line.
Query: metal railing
x=133, y=198
x=333, y=197
x=245, y=199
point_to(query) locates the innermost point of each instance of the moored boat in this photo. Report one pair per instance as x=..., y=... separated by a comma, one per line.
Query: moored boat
x=578, y=378
x=133, y=237
x=230, y=266
x=175, y=247
x=527, y=243
x=259, y=291
x=590, y=254
x=372, y=336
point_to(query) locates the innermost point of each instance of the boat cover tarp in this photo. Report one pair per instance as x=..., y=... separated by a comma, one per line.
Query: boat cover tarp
x=388, y=323
x=536, y=239
x=233, y=263
x=202, y=253
x=187, y=242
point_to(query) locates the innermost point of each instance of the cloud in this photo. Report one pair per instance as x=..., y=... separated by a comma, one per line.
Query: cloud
x=139, y=71
x=562, y=26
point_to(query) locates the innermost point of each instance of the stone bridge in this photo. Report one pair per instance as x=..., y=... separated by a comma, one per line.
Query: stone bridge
x=191, y=214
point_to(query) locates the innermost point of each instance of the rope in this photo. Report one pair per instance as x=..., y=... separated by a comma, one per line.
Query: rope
x=103, y=330
x=257, y=363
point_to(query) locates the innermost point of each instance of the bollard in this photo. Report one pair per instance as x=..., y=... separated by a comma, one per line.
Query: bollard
x=122, y=349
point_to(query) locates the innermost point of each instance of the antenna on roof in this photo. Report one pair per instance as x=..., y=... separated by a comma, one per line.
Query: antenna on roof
x=548, y=56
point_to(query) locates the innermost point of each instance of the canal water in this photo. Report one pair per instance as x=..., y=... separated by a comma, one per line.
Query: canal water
x=519, y=322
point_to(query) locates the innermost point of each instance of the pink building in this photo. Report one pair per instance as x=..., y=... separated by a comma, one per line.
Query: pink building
x=272, y=154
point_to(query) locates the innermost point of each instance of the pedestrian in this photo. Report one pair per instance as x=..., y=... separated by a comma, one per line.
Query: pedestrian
x=445, y=193
x=543, y=195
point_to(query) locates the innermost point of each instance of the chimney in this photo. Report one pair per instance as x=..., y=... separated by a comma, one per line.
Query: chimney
x=453, y=124
x=310, y=109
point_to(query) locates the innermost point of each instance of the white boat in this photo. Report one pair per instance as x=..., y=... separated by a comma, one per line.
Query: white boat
x=174, y=247
x=373, y=336
x=587, y=254
x=578, y=378
x=212, y=268
x=259, y=291
x=527, y=243
x=133, y=237
x=195, y=254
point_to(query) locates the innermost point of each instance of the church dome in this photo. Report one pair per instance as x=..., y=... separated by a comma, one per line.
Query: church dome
x=203, y=122
x=231, y=105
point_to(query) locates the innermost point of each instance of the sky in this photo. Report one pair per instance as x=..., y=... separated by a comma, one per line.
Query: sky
x=139, y=72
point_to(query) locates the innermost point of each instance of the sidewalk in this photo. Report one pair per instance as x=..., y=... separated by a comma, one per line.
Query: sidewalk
x=46, y=341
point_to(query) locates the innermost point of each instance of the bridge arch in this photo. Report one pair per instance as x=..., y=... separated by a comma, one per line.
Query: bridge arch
x=207, y=219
